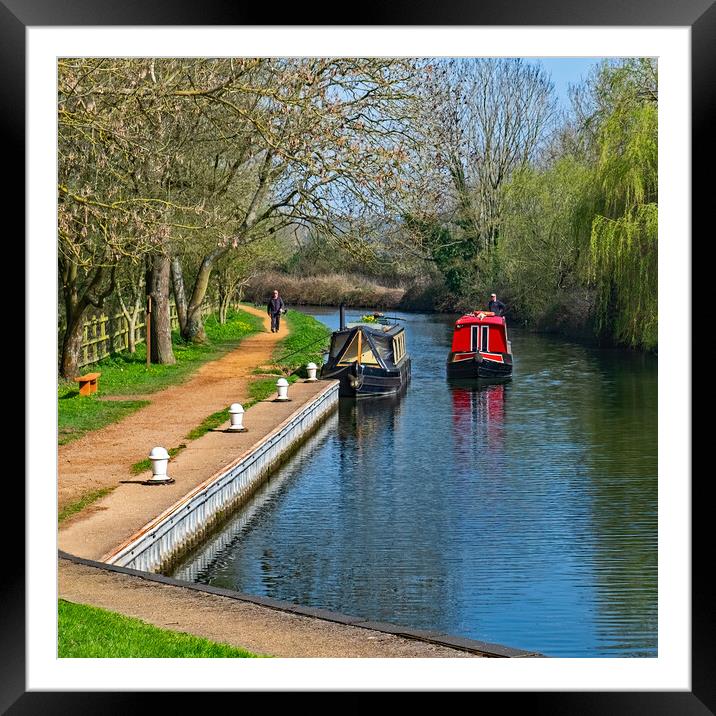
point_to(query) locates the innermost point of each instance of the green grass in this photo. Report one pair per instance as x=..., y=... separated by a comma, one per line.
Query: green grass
x=86, y=499
x=263, y=388
x=210, y=423
x=127, y=374
x=304, y=344
x=78, y=415
x=89, y=632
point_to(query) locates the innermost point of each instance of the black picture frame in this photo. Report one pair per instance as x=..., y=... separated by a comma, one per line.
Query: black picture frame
x=699, y=15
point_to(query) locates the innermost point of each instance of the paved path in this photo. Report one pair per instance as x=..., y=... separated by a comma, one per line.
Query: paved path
x=112, y=520
x=261, y=630
x=102, y=458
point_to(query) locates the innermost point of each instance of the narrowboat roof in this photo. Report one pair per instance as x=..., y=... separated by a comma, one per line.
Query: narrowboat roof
x=377, y=340
x=376, y=329
x=479, y=318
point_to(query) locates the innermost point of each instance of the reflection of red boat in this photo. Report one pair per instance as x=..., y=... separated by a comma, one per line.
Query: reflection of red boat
x=479, y=417
x=480, y=348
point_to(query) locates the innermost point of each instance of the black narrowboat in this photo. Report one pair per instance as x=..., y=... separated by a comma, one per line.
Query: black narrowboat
x=480, y=348
x=368, y=357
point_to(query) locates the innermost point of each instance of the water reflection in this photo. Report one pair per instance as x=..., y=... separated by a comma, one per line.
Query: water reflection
x=479, y=416
x=521, y=513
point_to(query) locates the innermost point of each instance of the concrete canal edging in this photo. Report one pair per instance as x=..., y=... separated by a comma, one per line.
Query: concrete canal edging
x=181, y=525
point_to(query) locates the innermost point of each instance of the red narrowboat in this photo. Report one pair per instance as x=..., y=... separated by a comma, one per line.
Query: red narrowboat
x=480, y=348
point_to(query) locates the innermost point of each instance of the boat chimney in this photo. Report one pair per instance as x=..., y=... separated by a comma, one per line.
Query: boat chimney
x=342, y=310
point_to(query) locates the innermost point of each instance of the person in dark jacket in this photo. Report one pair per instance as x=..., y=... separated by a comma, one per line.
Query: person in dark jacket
x=275, y=308
x=497, y=307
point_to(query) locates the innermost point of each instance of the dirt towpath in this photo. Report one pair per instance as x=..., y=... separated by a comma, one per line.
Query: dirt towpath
x=103, y=457
x=260, y=629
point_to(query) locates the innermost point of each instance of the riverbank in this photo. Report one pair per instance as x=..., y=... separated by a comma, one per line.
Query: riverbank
x=324, y=290
x=260, y=625
x=131, y=508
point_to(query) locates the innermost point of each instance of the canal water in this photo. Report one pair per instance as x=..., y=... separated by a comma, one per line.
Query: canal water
x=523, y=514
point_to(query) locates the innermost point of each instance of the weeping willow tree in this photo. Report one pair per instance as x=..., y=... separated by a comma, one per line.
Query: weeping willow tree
x=623, y=251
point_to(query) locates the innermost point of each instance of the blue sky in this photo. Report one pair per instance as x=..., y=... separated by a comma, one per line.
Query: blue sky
x=566, y=71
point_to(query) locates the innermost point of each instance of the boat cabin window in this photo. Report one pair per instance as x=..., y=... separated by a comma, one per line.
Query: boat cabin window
x=351, y=354
x=339, y=340
x=366, y=352
x=384, y=348
x=366, y=356
x=398, y=347
x=480, y=338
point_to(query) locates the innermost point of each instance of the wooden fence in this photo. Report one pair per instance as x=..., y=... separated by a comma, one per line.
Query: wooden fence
x=103, y=335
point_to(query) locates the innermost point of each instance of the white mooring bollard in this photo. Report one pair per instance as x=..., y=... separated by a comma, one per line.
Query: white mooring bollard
x=159, y=458
x=236, y=413
x=311, y=369
x=282, y=388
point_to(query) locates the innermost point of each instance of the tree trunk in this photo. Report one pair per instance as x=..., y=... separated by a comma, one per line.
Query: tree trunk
x=131, y=332
x=179, y=293
x=223, y=308
x=194, y=329
x=75, y=309
x=72, y=345
x=161, y=329
x=131, y=316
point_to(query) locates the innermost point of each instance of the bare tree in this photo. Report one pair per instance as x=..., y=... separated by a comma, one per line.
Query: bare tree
x=308, y=142
x=113, y=153
x=482, y=119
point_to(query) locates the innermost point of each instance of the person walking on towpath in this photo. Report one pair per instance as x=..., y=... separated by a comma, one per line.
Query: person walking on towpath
x=275, y=308
x=497, y=307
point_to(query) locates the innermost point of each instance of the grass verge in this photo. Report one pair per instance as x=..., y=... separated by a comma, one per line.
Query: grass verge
x=90, y=632
x=304, y=344
x=79, y=415
x=262, y=388
x=127, y=374
x=86, y=499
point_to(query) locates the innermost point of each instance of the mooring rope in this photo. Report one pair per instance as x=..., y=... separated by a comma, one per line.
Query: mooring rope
x=308, y=345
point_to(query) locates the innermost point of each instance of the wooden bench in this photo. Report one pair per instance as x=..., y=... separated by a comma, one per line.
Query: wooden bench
x=88, y=383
